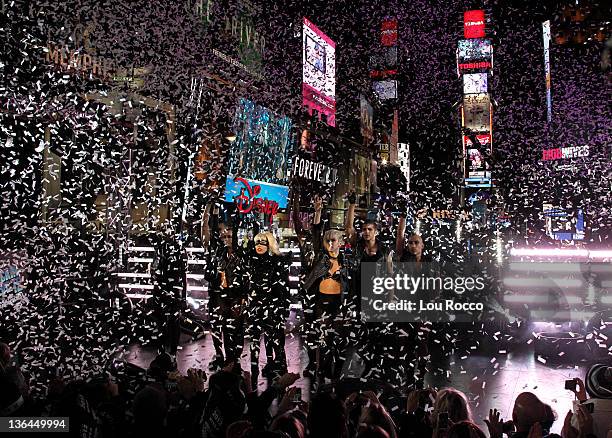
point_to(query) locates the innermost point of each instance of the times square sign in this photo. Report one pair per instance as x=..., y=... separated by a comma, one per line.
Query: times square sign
x=565, y=153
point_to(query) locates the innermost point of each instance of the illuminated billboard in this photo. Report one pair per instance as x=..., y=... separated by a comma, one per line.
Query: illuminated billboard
x=564, y=224
x=385, y=89
x=477, y=112
x=483, y=140
x=469, y=66
x=474, y=50
x=474, y=24
x=477, y=166
x=388, y=35
x=367, y=119
x=546, y=34
x=256, y=196
x=262, y=146
x=475, y=83
x=565, y=153
x=318, y=73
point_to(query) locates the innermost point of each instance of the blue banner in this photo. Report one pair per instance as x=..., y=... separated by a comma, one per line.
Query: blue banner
x=255, y=189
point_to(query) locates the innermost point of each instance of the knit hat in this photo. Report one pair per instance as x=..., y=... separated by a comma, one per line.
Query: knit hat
x=598, y=381
x=11, y=399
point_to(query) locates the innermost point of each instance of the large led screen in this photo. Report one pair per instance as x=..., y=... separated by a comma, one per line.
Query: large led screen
x=246, y=191
x=474, y=24
x=262, y=146
x=318, y=73
x=474, y=50
x=477, y=112
x=385, y=89
x=474, y=83
x=546, y=35
x=367, y=119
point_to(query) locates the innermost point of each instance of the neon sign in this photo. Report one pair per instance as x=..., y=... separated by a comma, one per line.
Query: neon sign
x=256, y=196
x=474, y=65
x=248, y=202
x=474, y=24
x=569, y=152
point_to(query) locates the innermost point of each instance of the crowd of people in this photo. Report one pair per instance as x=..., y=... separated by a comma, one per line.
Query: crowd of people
x=160, y=401
x=248, y=288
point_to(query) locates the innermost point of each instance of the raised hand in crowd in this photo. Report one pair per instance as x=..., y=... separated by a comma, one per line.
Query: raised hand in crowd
x=495, y=424
x=190, y=385
x=286, y=380
x=580, y=393
x=352, y=197
x=585, y=424
x=289, y=402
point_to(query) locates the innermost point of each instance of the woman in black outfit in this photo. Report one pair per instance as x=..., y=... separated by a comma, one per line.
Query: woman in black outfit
x=326, y=286
x=267, y=303
x=226, y=289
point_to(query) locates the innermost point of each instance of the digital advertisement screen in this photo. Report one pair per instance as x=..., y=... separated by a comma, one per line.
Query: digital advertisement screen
x=564, y=224
x=475, y=83
x=474, y=50
x=474, y=24
x=477, y=112
x=251, y=193
x=475, y=160
x=263, y=144
x=385, y=89
x=388, y=35
x=484, y=140
x=367, y=119
x=319, y=73
x=476, y=167
x=476, y=182
x=546, y=36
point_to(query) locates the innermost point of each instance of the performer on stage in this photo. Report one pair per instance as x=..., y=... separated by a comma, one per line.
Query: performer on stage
x=414, y=344
x=326, y=287
x=226, y=288
x=375, y=342
x=168, y=274
x=267, y=304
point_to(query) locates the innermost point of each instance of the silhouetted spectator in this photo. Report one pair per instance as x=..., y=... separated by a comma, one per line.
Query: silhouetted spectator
x=327, y=416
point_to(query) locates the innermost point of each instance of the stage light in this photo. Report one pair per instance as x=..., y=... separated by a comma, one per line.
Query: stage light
x=549, y=252
x=600, y=254
x=561, y=252
x=499, y=249
x=545, y=267
x=542, y=282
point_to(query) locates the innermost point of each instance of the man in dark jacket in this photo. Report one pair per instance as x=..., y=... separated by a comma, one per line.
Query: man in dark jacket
x=375, y=341
x=168, y=272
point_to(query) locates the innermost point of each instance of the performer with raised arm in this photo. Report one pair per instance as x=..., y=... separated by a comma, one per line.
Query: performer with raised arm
x=226, y=287
x=326, y=286
x=375, y=342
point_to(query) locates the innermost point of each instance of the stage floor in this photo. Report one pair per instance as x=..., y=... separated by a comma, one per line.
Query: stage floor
x=488, y=382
